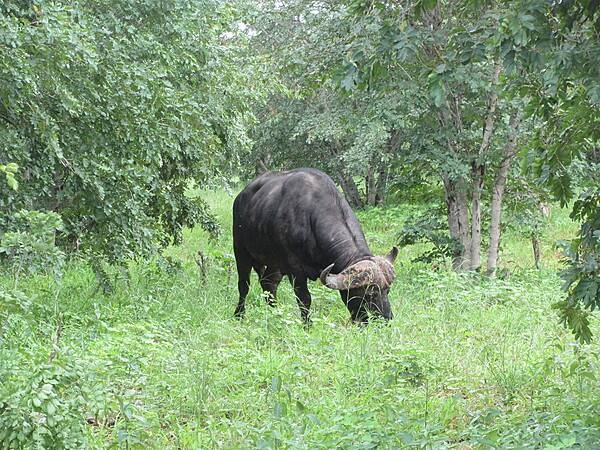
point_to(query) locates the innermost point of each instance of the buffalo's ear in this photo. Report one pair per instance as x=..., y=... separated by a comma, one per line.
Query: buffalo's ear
x=391, y=256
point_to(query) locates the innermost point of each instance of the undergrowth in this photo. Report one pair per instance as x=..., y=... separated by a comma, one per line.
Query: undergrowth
x=159, y=362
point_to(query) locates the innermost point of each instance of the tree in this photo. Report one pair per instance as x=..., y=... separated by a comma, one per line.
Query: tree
x=548, y=56
x=456, y=78
x=110, y=108
x=465, y=114
x=566, y=98
x=310, y=121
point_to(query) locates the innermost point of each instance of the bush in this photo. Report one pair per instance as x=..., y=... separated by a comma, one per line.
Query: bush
x=429, y=227
x=31, y=246
x=44, y=404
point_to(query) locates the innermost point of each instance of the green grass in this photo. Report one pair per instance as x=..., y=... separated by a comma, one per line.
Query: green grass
x=467, y=362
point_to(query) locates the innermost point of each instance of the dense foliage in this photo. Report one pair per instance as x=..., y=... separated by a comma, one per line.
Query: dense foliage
x=406, y=95
x=567, y=100
x=111, y=108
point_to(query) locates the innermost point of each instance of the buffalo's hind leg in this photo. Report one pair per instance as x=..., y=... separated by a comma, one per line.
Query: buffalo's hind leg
x=302, y=297
x=269, y=281
x=244, y=267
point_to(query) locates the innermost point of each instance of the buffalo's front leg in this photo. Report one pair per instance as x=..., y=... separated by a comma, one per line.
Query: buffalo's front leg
x=302, y=297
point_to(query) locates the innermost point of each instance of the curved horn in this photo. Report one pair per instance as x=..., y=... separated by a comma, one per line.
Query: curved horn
x=386, y=268
x=335, y=281
x=325, y=273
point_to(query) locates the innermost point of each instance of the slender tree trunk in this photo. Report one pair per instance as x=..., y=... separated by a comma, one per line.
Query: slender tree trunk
x=477, y=173
x=391, y=146
x=498, y=192
x=381, y=185
x=458, y=220
x=463, y=222
x=350, y=190
x=535, y=243
x=455, y=191
x=346, y=181
x=370, y=186
x=544, y=209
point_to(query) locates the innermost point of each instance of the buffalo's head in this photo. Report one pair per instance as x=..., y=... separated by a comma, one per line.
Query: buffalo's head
x=369, y=279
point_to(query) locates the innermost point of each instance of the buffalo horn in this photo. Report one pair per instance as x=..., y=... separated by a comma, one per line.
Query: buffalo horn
x=325, y=273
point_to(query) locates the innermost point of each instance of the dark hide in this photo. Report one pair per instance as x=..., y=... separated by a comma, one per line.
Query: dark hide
x=296, y=223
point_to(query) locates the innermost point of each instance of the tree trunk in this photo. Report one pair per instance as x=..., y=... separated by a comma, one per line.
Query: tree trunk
x=391, y=146
x=535, y=242
x=381, y=185
x=370, y=186
x=498, y=192
x=346, y=181
x=458, y=220
x=477, y=173
x=350, y=190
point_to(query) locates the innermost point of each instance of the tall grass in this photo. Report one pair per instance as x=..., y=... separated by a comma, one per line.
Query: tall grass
x=467, y=362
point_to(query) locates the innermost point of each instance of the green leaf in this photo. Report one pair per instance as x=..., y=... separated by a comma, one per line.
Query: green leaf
x=279, y=410
x=51, y=409
x=437, y=92
x=275, y=384
x=428, y=4
x=300, y=406
x=12, y=183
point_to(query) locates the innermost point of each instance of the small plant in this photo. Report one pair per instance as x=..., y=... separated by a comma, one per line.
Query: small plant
x=43, y=405
x=430, y=228
x=528, y=211
x=581, y=276
x=10, y=170
x=404, y=370
x=223, y=263
x=13, y=302
x=31, y=247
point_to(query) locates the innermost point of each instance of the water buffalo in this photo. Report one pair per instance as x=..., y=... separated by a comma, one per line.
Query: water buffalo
x=296, y=223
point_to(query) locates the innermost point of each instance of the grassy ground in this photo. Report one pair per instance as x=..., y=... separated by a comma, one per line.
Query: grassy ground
x=160, y=363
